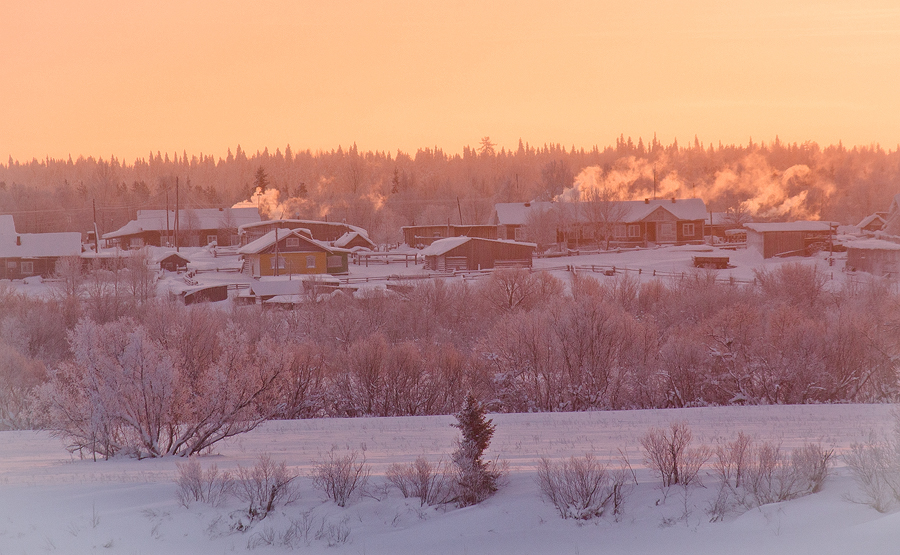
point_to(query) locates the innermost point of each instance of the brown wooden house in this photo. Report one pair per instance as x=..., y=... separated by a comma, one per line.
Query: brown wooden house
x=424, y=235
x=800, y=238
x=282, y=253
x=474, y=253
x=33, y=254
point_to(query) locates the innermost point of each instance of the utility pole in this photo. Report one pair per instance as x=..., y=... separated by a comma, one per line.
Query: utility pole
x=176, y=215
x=167, y=218
x=96, y=237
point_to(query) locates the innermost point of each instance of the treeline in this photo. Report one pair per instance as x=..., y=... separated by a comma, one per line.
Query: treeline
x=519, y=341
x=382, y=191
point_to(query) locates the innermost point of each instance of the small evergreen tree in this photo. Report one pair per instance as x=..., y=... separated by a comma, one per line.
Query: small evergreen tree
x=476, y=479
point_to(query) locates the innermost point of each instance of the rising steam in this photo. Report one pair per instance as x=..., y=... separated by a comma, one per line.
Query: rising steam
x=759, y=189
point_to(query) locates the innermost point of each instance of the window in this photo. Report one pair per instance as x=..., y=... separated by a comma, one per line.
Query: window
x=620, y=230
x=212, y=239
x=311, y=261
x=520, y=234
x=27, y=268
x=687, y=230
x=137, y=242
x=292, y=242
x=280, y=263
x=11, y=264
x=634, y=230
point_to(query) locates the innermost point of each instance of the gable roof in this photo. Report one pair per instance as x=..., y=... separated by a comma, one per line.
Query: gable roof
x=36, y=245
x=442, y=246
x=871, y=218
x=268, y=240
x=197, y=218
x=348, y=237
x=517, y=213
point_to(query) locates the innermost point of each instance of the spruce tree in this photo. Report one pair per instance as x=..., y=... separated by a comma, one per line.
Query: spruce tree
x=476, y=479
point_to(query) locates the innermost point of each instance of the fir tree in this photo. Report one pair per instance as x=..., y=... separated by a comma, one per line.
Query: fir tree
x=476, y=479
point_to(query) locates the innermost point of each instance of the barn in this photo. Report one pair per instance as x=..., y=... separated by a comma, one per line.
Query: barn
x=474, y=253
x=800, y=238
x=881, y=258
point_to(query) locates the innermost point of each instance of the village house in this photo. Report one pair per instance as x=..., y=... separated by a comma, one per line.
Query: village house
x=574, y=224
x=801, y=238
x=195, y=227
x=33, y=254
x=475, y=253
x=290, y=252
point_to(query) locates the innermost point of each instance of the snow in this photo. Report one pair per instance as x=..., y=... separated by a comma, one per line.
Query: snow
x=791, y=226
x=196, y=218
x=29, y=245
x=516, y=213
x=53, y=502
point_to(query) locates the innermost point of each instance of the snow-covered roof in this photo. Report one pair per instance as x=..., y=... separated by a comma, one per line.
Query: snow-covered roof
x=167, y=254
x=346, y=238
x=442, y=246
x=873, y=244
x=516, y=213
x=267, y=240
x=294, y=224
x=198, y=218
x=869, y=219
x=36, y=245
x=802, y=225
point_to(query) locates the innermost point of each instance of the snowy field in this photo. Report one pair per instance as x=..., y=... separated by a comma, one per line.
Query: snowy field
x=51, y=502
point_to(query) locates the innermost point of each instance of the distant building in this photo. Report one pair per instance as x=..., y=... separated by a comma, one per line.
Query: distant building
x=881, y=258
x=353, y=240
x=800, y=238
x=281, y=253
x=873, y=222
x=173, y=262
x=33, y=254
x=196, y=227
x=659, y=221
x=424, y=235
x=314, y=229
x=473, y=253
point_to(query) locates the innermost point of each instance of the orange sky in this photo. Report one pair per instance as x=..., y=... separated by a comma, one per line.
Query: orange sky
x=121, y=78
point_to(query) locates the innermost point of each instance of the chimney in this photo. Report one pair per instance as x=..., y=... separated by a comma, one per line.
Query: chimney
x=673, y=200
x=646, y=201
x=18, y=240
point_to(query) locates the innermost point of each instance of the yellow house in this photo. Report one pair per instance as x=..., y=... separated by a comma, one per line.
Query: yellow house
x=282, y=252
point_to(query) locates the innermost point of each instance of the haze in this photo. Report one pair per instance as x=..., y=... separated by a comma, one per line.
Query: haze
x=108, y=78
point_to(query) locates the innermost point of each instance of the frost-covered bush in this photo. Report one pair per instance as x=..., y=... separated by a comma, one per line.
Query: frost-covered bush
x=669, y=455
x=579, y=488
x=340, y=476
x=264, y=486
x=431, y=483
x=195, y=484
x=875, y=465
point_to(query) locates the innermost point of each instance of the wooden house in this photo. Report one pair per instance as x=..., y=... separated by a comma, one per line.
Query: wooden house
x=424, y=235
x=873, y=222
x=881, y=258
x=196, y=227
x=800, y=238
x=474, y=253
x=282, y=253
x=33, y=254
x=657, y=221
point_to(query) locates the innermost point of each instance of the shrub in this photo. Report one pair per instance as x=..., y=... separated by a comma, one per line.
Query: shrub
x=579, y=487
x=194, y=484
x=476, y=479
x=875, y=466
x=772, y=476
x=429, y=482
x=668, y=454
x=340, y=476
x=265, y=485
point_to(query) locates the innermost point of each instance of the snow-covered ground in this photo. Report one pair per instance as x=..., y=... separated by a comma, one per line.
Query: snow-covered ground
x=53, y=502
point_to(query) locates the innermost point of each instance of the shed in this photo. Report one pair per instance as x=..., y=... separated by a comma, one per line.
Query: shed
x=800, y=238
x=173, y=262
x=354, y=239
x=474, y=253
x=875, y=256
x=210, y=293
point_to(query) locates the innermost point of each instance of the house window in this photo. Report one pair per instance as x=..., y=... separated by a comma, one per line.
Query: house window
x=235, y=240
x=311, y=261
x=27, y=268
x=687, y=230
x=667, y=229
x=11, y=264
x=212, y=239
x=137, y=242
x=280, y=263
x=520, y=234
x=620, y=231
x=634, y=230
x=292, y=242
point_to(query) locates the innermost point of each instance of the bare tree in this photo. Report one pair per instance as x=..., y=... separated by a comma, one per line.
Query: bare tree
x=603, y=210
